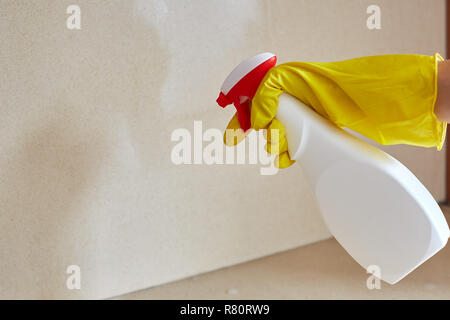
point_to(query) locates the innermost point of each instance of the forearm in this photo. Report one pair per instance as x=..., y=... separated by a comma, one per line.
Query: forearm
x=442, y=108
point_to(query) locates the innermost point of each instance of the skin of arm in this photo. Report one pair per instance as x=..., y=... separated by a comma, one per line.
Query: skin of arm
x=442, y=108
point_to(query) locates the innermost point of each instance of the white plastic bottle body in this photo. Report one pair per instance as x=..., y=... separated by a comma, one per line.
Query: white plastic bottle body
x=372, y=204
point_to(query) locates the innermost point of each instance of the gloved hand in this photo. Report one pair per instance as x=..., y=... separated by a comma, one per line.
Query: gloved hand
x=276, y=147
x=388, y=98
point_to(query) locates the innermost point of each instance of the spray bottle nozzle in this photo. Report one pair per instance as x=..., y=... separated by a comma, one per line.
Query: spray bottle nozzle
x=222, y=100
x=243, y=81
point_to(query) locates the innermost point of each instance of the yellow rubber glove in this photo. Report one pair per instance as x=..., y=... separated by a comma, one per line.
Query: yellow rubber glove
x=389, y=98
x=277, y=147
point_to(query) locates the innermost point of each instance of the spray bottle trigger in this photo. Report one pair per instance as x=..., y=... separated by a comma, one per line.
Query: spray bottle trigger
x=243, y=113
x=222, y=100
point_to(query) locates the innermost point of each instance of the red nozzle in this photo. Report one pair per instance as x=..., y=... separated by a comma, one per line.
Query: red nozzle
x=243, y=81
x=222, y=100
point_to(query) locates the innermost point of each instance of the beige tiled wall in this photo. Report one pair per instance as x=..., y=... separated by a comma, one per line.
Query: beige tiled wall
x=86, y=118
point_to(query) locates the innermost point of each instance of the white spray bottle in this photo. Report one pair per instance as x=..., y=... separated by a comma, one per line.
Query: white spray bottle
x=371, y=203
